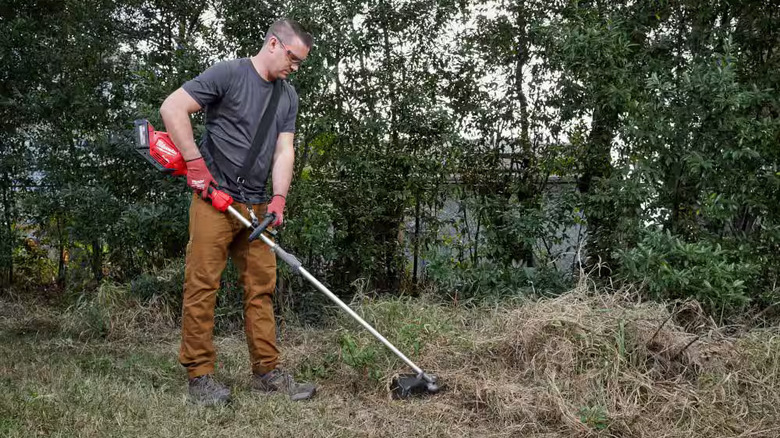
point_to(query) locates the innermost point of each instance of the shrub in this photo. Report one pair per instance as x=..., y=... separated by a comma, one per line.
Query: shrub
x=161, y=284
x=488, y=279
x=670, y=268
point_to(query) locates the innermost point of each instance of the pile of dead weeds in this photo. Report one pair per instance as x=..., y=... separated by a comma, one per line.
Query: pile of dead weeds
x=582, y=364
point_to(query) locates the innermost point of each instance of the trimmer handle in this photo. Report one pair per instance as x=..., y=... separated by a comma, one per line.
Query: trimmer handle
x=219, y=199
x=269, y=217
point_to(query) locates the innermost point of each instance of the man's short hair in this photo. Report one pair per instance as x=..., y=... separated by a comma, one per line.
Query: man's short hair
x=287, y=29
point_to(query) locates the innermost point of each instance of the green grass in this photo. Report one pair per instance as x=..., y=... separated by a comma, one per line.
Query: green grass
x=101, y=389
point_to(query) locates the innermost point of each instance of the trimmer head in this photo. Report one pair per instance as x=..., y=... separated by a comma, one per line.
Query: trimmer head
x=403, y=386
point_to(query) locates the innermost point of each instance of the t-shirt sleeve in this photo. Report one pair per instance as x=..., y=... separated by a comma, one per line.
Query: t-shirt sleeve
x=211, y=85
x=292, y=114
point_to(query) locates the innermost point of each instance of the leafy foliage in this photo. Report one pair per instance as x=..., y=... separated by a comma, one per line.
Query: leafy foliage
x=673, y=269
x=482, y=149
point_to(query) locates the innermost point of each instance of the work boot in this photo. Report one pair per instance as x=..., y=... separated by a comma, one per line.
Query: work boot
x=206, y=391
x=280, y=381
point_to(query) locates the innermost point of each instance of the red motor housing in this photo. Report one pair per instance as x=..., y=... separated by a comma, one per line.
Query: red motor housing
x=158, y=148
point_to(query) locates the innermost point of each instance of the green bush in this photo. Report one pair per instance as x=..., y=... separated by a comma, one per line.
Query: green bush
x=166, y=285
x=163, y=284
x=487, y=279
x=670, y=268
x=32, y=266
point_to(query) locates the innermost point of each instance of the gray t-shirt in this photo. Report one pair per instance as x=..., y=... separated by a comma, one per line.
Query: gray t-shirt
x=234, y=97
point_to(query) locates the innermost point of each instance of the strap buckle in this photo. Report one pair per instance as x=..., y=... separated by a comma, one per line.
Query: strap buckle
x=255, y=222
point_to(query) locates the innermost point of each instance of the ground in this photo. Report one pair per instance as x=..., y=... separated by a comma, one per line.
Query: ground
x=583, y=364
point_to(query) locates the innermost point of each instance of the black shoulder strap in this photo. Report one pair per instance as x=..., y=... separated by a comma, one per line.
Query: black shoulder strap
x=262, y=133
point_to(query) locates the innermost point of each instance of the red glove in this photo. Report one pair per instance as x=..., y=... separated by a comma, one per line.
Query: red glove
x=198, y=175
x=277, y=206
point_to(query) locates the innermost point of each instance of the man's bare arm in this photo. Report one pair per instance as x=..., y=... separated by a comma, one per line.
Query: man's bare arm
x=284, y=158
x=175, y=112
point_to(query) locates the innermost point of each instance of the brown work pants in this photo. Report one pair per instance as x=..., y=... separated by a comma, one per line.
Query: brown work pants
x=212, y=236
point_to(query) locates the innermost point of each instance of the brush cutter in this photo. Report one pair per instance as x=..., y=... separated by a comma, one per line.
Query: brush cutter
x=158, y=148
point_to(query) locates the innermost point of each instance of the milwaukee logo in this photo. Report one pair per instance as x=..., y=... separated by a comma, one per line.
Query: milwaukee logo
x=164, y=148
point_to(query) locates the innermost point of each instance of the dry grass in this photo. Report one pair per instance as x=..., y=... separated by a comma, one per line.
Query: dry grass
x=580, y=365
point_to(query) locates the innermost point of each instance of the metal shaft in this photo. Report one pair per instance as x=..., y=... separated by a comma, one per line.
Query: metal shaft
x=338, y=301
x=239, y=216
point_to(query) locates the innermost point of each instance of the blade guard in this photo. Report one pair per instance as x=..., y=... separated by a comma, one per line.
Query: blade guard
x=158, y=148
x=411, y=385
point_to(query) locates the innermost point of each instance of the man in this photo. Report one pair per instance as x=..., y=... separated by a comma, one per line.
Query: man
x=234, y=95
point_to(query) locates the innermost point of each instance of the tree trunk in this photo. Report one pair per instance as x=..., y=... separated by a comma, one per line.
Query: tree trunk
x=390, y=224
x=598, y=165
x=62, y=264
x=8, y=246
x=416, y=238
x=97, y=260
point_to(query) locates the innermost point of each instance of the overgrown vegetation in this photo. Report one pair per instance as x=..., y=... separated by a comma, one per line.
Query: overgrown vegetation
x=585, y=364
x=492, y=149
x=456, y=162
